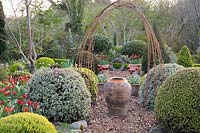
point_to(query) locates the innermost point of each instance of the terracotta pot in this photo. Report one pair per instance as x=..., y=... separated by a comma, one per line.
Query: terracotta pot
x=134, y=90
x=117, y=92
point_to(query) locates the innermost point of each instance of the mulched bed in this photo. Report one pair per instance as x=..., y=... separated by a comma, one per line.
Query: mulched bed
x=138, y=119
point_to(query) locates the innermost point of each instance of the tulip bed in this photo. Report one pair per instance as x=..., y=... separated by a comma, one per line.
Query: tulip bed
x=14, y=98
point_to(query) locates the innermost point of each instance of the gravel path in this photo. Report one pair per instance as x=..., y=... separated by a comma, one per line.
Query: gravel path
x=138, y=119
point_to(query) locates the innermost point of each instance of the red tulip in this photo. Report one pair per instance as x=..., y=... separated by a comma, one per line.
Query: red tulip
x=14, y=93
x=8, y=110
x=7, y=93
x=4, y=82
x=36, y=105
x=2, y=90
x=20, y=102
x=13, y=86
x=25, y=109
x=2, y=102
x=24, y=96
x=29, y=102
x=7, y=87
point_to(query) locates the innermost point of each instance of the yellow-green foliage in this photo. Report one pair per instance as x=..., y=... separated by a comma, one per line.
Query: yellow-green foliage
x=177, y=102
x=3, y=73
x=93, y=75
x=44, y=62
x=184, y=57
x=90, y=80
x=26, y=123
x=21, y=73
x=196, y=65
x=15, y=67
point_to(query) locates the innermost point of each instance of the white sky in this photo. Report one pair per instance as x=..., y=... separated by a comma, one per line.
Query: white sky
x=16, y=3
x=9, y=12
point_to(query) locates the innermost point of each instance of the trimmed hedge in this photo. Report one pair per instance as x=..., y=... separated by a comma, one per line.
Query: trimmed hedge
x=184, y=57
x=90, y=80
x=167, y=70
x=196, y=65
x=134, y=47
x=64, y=63
x=44, y=62
x=177, y=104
x=62, y=94
x=16, y=67
x=26, y=123
x=101, y=45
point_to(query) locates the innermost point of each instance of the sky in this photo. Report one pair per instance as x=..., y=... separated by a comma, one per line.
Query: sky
x=16, y=3
x=8, y=9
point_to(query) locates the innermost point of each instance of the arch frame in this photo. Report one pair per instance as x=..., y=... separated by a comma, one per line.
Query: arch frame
x=154, y=51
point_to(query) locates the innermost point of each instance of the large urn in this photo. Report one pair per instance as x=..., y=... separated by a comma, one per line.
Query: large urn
x=117, y=92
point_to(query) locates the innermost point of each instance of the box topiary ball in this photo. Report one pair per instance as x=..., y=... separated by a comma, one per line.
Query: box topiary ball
x=90, y=80
x=177, y=104
x=62, y=94
x=26, y=123
x=44, y=62
x=148, y=85
x=16, y=67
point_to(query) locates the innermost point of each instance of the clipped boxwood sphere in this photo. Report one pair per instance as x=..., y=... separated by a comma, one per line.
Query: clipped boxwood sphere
x=16, y=67
x=177, y=104
x=62, y=94
x=44, y=62
x=167, y=69
x=135, y=47
x=90, y=80
x=26, y=123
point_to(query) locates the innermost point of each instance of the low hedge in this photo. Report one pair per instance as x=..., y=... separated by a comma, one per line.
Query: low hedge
x=196, y=65
x=177, y=104
x=63, y=62
x=118, y=65
x=26, y=123
x=44, y=62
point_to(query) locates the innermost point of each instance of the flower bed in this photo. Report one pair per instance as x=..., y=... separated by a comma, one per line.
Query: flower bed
x=13, y=97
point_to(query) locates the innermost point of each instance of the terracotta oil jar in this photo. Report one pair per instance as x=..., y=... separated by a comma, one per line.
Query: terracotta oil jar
x=117, y=93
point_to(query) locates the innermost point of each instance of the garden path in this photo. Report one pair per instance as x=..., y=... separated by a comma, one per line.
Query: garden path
x=138, y=119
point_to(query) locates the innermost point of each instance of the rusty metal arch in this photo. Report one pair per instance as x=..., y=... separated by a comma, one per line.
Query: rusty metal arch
x=154, y=51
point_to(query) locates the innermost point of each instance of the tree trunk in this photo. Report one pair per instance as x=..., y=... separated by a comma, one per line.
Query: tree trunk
x=32, y=53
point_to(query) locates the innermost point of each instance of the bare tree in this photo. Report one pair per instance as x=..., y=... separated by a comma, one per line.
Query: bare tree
x=29, y=56
x=185, y=25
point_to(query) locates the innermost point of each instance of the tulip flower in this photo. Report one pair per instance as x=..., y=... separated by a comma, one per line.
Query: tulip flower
x=25, y=109
x=2, y=102
x=29, y=102
x=7, y=93
x=20, y=102
x=36, y=105
x=24, y=96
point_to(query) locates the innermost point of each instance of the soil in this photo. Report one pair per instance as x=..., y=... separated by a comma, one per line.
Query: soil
x=138, y=119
